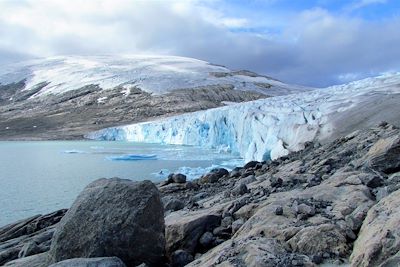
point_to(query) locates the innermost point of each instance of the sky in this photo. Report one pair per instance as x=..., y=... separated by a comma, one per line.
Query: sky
x=309, y=42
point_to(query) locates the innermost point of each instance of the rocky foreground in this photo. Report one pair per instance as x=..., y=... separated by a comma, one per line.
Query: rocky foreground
x=330, y=204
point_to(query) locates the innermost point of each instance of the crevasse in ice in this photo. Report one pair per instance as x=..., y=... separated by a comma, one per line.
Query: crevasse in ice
x=257, y=130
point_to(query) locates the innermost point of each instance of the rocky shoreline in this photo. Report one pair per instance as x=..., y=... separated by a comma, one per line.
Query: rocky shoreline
x=328, y=205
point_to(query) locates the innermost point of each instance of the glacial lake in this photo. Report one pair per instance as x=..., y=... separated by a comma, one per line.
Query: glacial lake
x=43, y=176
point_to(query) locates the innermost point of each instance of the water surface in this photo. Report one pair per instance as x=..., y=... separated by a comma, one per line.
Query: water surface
x=40, y=177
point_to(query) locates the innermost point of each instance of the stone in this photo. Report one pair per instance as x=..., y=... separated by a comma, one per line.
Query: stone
x=235, y=173
x=250, y=164
x=275, y=182
x=30, y=225
x=90, y=262
x=227, y=221
x=179, y=178
x=207, y=239
x=222, y=232
x=30, y=248
x=173, y=204
x=378, y=240
x=191, y=185
x=317, y=259
x=279, y=210
x=181, y=258
x=220, y=172
x=239, y=190
x=249, y=179
x=183, y=230
x=119, y=218
x=199, y=196
x=319, y=239
x=38, y=260
x=384, y=155
x=172, y=188
x=9, y=254
x=236, y=225
x=209, y=178
x=371, y=180
x=306, y=209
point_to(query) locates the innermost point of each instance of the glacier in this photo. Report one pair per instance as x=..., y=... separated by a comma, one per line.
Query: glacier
x=267, y=128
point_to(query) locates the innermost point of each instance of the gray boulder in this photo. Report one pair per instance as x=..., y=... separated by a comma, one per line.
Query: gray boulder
x=90, y=262
x=172, y=203
x=384, y=155
x=113, y=217
x=179, y=178
x=183, y=230
x=180, y=258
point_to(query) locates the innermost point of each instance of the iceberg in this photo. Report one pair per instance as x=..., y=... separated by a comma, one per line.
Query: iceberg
x=133, y=157
x=267, y=128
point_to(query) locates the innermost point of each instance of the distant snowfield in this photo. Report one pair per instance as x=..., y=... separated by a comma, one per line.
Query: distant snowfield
x=273, y=127
x=153, y=74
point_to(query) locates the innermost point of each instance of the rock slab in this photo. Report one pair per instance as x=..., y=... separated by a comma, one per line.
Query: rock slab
x=92, y=262
x=378, y=240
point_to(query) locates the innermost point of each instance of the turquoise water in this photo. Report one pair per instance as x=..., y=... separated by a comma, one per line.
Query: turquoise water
x=40, y=177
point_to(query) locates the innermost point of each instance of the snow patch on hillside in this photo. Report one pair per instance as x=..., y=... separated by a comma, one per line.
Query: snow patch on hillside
x=153, y=74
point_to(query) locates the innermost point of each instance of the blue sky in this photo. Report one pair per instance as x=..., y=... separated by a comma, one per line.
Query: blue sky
x=313, y=42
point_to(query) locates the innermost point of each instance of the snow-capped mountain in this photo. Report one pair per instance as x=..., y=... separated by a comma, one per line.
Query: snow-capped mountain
x=152, y=74
x=272, y=127
x=65, y=97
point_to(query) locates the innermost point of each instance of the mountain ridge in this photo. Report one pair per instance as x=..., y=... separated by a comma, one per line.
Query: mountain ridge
x=67, y=97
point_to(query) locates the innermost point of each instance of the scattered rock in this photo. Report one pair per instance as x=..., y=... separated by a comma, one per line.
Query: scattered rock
x=222, y=232
x=227, y=221
x=181, y=258
x=173, y=204
x=207, y=239
x=371, y=180
x=119, y=218
x=184, y=230
x=191, y=185
x=249, y=179
x=209, y=178
x=275, y=182
x=236, y=225
x=220, y=172
x=279, y=210
x=179, y=178
x=384, y=155
x=324, y=238
x=239, y=190
x=250, y=164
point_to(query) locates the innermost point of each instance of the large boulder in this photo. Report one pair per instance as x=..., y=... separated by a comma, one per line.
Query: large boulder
x=113, y=217
x=183, y=231
x=92, y=262
x=384, y=155
x=378, y=240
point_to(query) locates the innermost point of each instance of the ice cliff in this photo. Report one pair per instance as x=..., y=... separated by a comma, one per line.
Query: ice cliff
x=267, y=128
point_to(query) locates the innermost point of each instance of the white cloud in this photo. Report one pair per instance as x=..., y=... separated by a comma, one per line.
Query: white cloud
x=363, y=3
x=314, y=47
